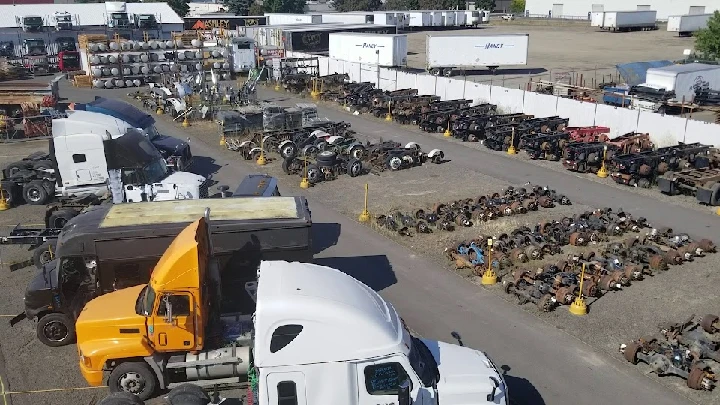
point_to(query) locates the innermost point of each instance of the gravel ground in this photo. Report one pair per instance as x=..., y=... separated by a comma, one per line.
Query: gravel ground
x=617, y=317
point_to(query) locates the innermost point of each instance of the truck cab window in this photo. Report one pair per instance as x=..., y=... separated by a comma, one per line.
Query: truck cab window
x=79, y=158
x=287, y=393
x=283, y=335
x=128, y=275
x=180, y=306
x=384, y=379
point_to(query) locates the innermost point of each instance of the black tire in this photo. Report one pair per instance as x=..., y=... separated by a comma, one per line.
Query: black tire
x=134, y=377
x=121, y=398
x=357, y=152
x=354, y=167
x=715, y=194
x=643, y=183
x=55, y=330
x=13, y=168
x=326, y=156
x=288, y=150
x=35, y=194
x=43, y=254
x=42, y=165
x=287, y=165
x=313, y=174
x=59, y=218
x=188, y=394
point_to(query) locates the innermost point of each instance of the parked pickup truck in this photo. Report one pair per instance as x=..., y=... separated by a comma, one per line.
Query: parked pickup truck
x=315, y=336
x=111, y=247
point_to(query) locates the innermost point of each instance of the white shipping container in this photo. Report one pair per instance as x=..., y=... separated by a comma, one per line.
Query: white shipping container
x=597, y=19
x=288, y=18
x=383, y=18
x=373, y=49
x=623, y=20
x=449, y=17
x=687, y=24
x=474, y=51
x=438, y=19
x=461, y=18
x=348, y=18
x=420, y=19
x=684, y=79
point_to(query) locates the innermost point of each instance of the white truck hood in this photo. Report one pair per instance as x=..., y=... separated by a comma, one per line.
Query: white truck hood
x=185, y=178
x=179, y=186
x=465, y=375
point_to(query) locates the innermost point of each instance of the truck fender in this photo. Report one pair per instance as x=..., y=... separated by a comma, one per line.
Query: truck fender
x=249, y=144
x=254, y=150
x=412, y=145
x=283, y=143
x=434, y=152
x=335, y=138
x=265, y=138
x=319, y=133
x=157, y=364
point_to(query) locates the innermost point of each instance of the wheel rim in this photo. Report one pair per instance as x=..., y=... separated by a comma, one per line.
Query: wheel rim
x=131, y=382
x=45, y=257
x=355, y=168
x=33, y=195
x=55, y=331
x=59, y=223
x=288, y=150
x=313, y=175
x=395, y=163
x=357, y=153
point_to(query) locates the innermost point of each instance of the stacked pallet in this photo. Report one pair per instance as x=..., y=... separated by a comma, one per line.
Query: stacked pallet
x=11, y=71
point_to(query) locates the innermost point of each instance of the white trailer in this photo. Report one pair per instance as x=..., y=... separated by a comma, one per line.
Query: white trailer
x=288, y=18
x=385, y=18
x=626, y=20
x=420, y=19
x=684, y=79
x=685, y=25
x=449, y=18
x=438, y=19
x=374, y=49
x=448, y=52
x=461, y=18
x=348, y=18
x=597, y=19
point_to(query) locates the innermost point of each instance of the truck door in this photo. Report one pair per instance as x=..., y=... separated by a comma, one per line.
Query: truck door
x=378, y=382
x=286, y=388
x=175, y=331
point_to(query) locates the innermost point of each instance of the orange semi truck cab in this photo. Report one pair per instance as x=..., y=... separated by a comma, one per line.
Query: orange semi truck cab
x=155, y=334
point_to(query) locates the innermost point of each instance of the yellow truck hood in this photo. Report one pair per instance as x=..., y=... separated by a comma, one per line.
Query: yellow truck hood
x=111, y=316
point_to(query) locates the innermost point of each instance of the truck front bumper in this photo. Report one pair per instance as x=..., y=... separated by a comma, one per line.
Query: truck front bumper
x=93, y=377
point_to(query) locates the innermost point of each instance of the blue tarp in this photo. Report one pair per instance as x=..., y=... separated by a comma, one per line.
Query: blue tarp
x=634, y=73
x=120, y=110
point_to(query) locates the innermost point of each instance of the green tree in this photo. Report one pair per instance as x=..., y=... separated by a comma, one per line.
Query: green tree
x=517, y=6
x=488, y=5
x=402, y=5
x=181, y=7
x=238, y=7
x=441, y=4
x=284, y=6
x=707, y=41
x=256, y=9
x=357, y=5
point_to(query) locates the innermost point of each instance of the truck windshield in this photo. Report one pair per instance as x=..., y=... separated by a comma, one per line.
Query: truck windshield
x=155, y=171
x=423, y=362
x=33, y=43
x=34, y=21
x=145, y=301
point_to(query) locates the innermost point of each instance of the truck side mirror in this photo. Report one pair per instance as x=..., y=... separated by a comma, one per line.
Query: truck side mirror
x=168, y=309
x=404, y=393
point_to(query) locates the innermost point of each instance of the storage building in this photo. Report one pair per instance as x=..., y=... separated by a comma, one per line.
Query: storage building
x=575, y=9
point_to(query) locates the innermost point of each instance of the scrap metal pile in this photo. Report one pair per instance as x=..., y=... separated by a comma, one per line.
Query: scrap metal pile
x=689, y=350
x=532, y=268
x=471, y=211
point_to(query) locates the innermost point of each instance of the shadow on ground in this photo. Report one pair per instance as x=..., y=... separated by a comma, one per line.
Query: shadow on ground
x=374, y=271
x=206, y=166
x=522, y=391
x=324, y=236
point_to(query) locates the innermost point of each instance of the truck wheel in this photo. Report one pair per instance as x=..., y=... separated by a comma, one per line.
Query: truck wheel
x=43, y=254
x=188, y=394
x=55, y=330
x=34, y=193
x=447, y=72
x=59, y=218
x=133, y=377
x=313, y=174
x=354, y=168
x=715, y=194
x=121, y=398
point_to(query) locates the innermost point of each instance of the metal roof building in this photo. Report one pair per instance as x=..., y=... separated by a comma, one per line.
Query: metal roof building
x=581, y=9
x=84, y=15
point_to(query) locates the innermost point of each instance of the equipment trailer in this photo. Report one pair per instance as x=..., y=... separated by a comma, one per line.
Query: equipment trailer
x=703, y=184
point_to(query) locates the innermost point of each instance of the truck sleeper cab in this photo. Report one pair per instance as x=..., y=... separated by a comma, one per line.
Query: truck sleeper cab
x=111, y=247
x=317, y=336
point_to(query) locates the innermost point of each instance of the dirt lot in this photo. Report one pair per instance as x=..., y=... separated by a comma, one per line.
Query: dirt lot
x=615, y=318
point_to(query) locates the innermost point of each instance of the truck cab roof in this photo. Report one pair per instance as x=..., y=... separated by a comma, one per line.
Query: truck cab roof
x=334, y=311
x=85, y=122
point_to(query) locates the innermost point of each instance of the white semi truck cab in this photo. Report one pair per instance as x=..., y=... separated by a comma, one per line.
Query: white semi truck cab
x=91, y=153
